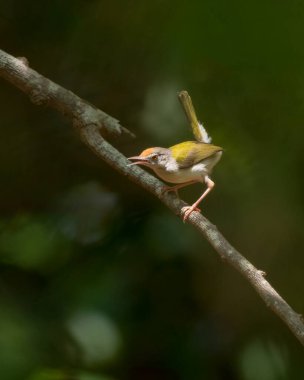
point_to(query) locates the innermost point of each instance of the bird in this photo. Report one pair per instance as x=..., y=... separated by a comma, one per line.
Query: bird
x=185, y=163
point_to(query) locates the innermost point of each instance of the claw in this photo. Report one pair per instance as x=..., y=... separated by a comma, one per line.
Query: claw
x=168, y=189
x=187, y=210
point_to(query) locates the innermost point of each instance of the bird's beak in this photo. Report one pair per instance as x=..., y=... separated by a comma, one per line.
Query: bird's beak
x=139, y=160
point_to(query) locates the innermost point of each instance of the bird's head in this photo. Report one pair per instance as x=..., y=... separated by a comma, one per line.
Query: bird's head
x=152, y=157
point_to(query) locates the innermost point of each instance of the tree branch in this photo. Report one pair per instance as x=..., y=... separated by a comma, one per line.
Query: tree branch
x=91, y=122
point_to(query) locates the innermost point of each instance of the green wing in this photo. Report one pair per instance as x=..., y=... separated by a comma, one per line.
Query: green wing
x=189, y=153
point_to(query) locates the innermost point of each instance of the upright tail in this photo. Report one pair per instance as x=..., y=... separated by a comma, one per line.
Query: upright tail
x=198, y=129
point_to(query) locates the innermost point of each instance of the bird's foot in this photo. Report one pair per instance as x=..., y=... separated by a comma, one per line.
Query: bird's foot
x=187, y=210
x=168, y=189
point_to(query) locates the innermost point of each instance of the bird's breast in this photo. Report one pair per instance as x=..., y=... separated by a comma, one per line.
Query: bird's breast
x=196, y=172
x=182, y=175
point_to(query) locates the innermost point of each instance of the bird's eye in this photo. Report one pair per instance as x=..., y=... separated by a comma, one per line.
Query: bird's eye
x=154, y=158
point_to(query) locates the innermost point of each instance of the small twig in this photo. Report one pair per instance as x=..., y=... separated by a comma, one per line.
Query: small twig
x=90, y=121
x=43, y=91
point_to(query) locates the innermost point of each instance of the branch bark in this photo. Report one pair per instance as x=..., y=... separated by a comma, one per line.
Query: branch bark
x=92, y=124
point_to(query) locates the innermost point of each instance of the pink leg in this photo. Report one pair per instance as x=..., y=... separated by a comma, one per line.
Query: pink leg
x=167, y=189
x=189, y=209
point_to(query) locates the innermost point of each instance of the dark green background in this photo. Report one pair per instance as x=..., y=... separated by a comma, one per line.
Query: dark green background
x=98, y=279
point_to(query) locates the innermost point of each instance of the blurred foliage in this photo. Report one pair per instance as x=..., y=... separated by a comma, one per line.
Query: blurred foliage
x=98, y=280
